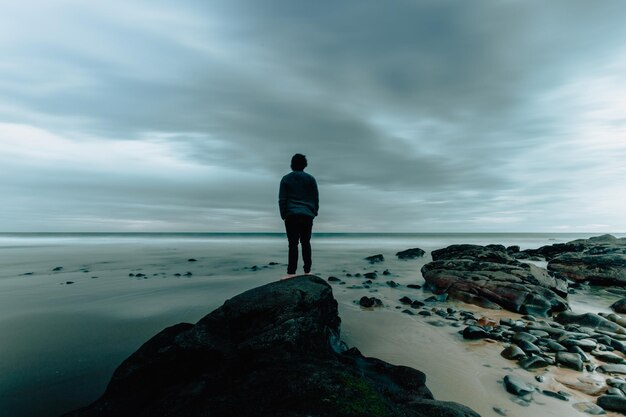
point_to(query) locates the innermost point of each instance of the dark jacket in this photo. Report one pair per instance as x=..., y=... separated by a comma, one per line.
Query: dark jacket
x=298, y=195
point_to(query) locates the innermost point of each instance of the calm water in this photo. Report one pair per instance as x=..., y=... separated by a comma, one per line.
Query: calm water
x=64, y=332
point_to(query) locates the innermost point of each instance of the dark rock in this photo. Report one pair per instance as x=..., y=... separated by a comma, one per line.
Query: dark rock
x=474, y=332
x=513, y=353
x=613, y=368
x=523, y=336
x=375, y=258
x=590, y=320
x=392, y=284
x=386, y=272
x=131, y=275
x=605, y=269
x=540, y=378
x=57, y=268
x=406, y=300
x=534, y=362
x=188, y=274
x=528, y=347
x=425, y=313
x=555, y=347
x=177, y=274
x=517, y=386
x=437, y=297
x=612, y=403
x=619, y=306
x=569, y=360
x=333, y=279
x=499, y=411
x=414, y=286
x=608, y=357
x=417, y=304
x=560, y=395
x=615, y=391
x=587, y=345
x=370, y=275
x=370, y=302
x=69, y=282
x=192, y=260
x=273, y=263
x=589, y=408
x=410, y=253
x=489, y=276
x=409, y=312
x=270, y=351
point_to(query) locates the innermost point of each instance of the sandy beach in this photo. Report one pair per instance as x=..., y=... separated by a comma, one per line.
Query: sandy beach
x=66, y=330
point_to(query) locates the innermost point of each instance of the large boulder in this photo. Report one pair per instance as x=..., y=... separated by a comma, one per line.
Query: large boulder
x=489, y=276
x=270, y=351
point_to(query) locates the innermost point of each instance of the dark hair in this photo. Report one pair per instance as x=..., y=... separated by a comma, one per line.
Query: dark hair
x=298, y=162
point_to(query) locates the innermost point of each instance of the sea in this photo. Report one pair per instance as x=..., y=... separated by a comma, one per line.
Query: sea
x=74, y=305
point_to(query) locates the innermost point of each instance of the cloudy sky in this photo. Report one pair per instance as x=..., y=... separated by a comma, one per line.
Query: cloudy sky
x=416, y=116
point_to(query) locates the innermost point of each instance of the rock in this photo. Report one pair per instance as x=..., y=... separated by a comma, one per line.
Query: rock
x=604, y=269
x=589, y=408
x=69, y=282
x=192, y=260
x=409, y=312
x=489, y=276
x=560, y=395
x=528, y=347
x=513, y=353
x=414, y=286
x=517, y=386
x=370, y=275
x=386, y=272
x=370, y=302
x=410, y=253
x=57, y=268
x=437, y=297
x=392, y=284
x=619, y=306
x=333, y=279
x=590, y=320
x=425, y=313
x=555, y=347
x=523, y=336
x=587, y=345
x=615, y=391
x=499, y=411
x=406, y=300
x=270, y=351
x=474, y=332
x=612, y=368
x=534, y=362
x=375, y=258
x=608, y=357
x=272, y=263
x=569, y=360
x=612, y=403
x=417, y=304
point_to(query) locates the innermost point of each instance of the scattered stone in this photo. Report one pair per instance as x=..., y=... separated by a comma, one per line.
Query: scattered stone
x=528, y=347
x=569, y=360
x=612, y=403
x=555, y=347
x=613, y=368
x=474, y=333
x=529, y=317
x=517, y=386
x=499, y=411
x=192, y=260
x=177, y=274
x=58, y=268
x=513, y=353
x=534, y=362
x=392, y=284
x=69, y=282
x=540, y=378
x=608, y=357
x=417, y=304
x=386, y=272
x=619, y=306
x=589, y=408
x=406, y=300
x=370, y=275
x=437, y=297
x=437, y=323
x=414, y=286
x=273, y=263
x=375, y=258
x=410, y=253
x=188, y=274
x=593, y=321
x=523, y=336
x=254, y=268
x=333, y=279
x=131, y=275
x=409, y=312
x=615, y=391
x=560, y=395
x=425, y=313
x=370, y=302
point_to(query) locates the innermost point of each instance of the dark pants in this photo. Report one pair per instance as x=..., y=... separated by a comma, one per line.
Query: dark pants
x=299, y=230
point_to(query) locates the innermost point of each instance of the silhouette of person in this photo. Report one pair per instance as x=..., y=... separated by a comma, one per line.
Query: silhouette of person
x=298, y=200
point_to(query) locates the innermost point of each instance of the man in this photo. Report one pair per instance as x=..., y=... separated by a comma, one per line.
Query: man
x=298, y=200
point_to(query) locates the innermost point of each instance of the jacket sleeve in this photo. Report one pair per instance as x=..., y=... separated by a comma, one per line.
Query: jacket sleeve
x=282, y=199
x=316, y=197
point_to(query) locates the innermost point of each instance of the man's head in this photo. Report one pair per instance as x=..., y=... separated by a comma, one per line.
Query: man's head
x=298, y=162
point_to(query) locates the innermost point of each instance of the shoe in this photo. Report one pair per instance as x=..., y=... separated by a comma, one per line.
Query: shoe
x=288, y=276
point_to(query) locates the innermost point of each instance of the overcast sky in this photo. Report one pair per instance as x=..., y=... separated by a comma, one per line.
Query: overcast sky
x=416, y=116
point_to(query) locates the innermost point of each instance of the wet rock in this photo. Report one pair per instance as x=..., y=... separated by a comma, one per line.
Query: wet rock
x=370, y=275
x=499, y=411
x=555, y=347
x=587, y=345
x=409, y=312
x=272, y=263
x=608, y=357
x=474, y=333
x=612, y=368
x=375, y=258
x=517, y=386
x=437, y=297
x=589, y=408
x=57, y=268
x=575, y=349
x=414, y=286
x=528, y=347
x=602, y=269
x=559, y=395
x=386, y=272
x=392, y=284
x=523, y=336
x=333, y=279
x=425, y=313
x=615, y=391
x=513, y=353
x=488, y=276
x=192, y=260
x=619, y=306
x=612, y=403
x=417, y=304
x=370, y=302
x=534, y=362
x=410, y=253
x=69, y=282
x=590, y=320
x=569, y=360
x=406, y=300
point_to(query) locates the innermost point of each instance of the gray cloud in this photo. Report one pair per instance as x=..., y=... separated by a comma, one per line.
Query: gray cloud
x=442, y=115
